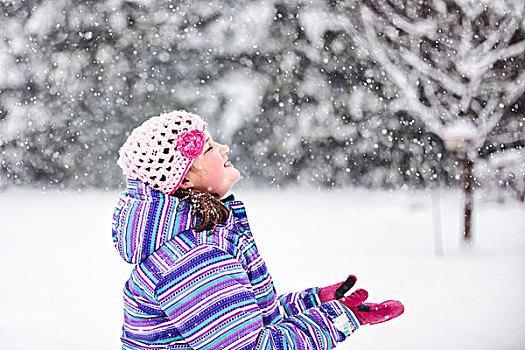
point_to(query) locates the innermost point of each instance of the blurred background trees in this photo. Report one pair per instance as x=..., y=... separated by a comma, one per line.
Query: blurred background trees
x=457, y=67
x=288, y=84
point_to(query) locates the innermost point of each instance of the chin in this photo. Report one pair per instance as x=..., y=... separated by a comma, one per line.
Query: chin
x=237, y=175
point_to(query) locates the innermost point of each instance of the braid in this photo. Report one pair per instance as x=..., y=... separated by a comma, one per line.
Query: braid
x=208, y=208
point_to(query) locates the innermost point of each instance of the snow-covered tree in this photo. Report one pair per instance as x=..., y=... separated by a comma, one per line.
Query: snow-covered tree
x=455, y=65
x=280, y=80
x=79, y=75
x=321, y=121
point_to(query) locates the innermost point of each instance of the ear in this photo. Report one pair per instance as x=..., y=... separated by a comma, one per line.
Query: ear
x=185, y=184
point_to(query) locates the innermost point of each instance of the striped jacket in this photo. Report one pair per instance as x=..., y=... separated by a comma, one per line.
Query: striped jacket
x=202, y=290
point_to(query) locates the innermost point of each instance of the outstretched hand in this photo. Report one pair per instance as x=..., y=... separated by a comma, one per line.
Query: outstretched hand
x=368, y=313
x=372, y=313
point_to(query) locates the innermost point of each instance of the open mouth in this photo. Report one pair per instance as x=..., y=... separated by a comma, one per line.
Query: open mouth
x=227, y=163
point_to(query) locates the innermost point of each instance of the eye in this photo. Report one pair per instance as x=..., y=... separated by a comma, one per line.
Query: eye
x=209, y=149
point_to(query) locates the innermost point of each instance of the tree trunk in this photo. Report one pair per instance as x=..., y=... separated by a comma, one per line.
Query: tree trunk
x=467, y=183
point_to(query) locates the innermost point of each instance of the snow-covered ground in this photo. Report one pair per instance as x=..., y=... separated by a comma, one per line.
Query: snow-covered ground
x=62, y=279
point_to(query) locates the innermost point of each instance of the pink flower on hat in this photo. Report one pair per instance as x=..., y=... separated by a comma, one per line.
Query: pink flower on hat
x=191, y=143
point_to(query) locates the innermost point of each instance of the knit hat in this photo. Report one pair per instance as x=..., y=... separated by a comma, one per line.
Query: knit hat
x=161, y=150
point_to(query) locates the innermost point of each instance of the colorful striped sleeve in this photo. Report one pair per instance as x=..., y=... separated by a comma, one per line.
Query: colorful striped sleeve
x=299, y=302
x=209, y=298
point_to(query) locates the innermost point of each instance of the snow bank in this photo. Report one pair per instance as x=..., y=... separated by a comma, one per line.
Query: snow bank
x=62, y=278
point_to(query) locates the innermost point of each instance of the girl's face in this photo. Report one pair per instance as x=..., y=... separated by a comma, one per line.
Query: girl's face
x=212, y=171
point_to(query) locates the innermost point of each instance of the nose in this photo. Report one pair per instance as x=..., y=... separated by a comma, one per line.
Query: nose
x=224, y=148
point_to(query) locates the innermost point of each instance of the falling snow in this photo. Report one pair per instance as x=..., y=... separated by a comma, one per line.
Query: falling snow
x=304, y=92
x=332, y=95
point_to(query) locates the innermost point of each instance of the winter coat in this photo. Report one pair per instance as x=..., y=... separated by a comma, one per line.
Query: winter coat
x=209, y=290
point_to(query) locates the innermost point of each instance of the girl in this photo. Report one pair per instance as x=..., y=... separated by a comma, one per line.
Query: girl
x=199, y=281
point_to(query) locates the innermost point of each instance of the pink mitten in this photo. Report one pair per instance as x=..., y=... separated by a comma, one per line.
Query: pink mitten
x=338, y=290
x=355, y=299
x=371, y=313
x=368, y=313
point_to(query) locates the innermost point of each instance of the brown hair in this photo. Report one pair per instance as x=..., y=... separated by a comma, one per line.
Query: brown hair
x=208, y=208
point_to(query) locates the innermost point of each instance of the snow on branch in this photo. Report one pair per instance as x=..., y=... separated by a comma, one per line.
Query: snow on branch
x=501, y=36
x=513, y=91
x=451, y=83
x=454, y=62
x=415, y=28
x=487, y=60
x=399, y=78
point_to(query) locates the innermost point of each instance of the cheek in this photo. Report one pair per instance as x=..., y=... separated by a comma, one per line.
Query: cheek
x=197, y=165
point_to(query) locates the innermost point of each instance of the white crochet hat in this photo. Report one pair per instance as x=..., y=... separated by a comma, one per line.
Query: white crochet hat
x=161, y=150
